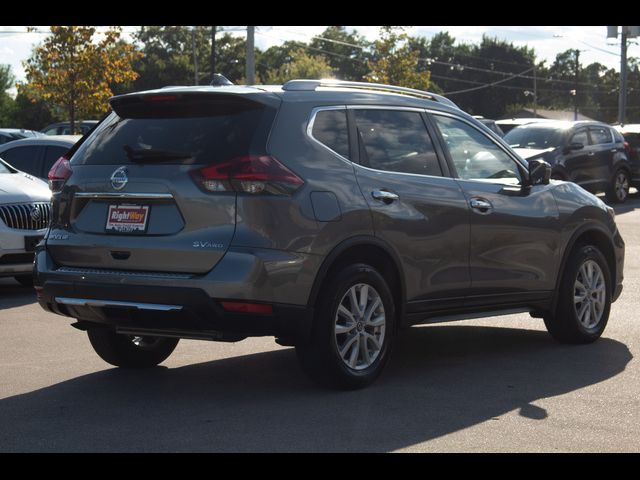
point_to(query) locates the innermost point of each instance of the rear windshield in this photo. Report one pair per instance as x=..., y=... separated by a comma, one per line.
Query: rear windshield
x=536, y=138
x=184, y=132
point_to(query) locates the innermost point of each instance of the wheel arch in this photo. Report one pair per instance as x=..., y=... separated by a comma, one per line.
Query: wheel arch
x=369, y=250
x=590, y=234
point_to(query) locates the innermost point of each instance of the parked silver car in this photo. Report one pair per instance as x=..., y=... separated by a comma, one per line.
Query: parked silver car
x=24, y=216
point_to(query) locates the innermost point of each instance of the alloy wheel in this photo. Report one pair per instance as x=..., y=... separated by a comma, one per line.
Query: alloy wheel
x=359, y=326
x=621, y=186
x=589, y=294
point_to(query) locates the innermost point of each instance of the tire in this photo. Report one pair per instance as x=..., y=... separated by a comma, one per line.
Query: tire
x=129, y=351
x=348, y=350
x=619, y=190
x=24, y=280
x=577, y=321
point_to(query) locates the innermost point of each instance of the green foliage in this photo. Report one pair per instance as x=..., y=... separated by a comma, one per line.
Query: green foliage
x=346, y=53
x=299, y=64
x=168, y=56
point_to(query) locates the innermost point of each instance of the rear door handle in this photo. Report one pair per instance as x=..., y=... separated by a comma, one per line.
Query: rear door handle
x=385, y=196
x=481, y=206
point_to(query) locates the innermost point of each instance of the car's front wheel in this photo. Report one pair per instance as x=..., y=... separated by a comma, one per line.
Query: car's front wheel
x=130, y=351
x=619, y=189
x=584, y=299
x=352, y=331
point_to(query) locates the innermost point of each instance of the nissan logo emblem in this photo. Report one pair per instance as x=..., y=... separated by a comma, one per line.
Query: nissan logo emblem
x=119, y=178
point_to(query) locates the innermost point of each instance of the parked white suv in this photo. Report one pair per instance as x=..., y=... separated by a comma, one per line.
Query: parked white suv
x=25, y=210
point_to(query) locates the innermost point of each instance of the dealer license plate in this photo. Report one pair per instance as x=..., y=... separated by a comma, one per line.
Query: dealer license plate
x=127, y=218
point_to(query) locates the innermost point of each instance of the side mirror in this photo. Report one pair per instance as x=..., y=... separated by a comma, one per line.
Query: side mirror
x=539, y=172
x=572, y=147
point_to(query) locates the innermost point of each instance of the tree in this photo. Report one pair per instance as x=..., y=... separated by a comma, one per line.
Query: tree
x=7, y=104
x=346, y=53
x=167, y=56
x=72, y=72
x=394, y=62
x=300, y=65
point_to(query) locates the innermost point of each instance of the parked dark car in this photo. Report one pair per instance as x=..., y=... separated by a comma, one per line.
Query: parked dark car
x=327, y=214
x=591, y=154
x=64, y=128
x=36, y=155
x=11, y=134
x=631, y=135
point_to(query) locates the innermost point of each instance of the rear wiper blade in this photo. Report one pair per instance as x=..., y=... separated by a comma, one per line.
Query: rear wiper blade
x=153, y=155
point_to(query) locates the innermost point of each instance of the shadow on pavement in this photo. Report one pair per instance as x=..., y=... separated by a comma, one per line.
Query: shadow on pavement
x=632, y=203
x=440, y=379
x=12, y=294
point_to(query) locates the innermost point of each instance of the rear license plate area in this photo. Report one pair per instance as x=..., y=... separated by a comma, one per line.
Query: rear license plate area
x=127, y=219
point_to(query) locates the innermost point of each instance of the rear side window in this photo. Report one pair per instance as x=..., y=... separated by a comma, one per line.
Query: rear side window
x=600, y=135
x=27, y=159
x=396, y=141
x=193, y=130
x=330, y=129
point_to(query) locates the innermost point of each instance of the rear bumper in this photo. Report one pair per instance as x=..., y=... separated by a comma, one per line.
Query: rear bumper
x=166, y=306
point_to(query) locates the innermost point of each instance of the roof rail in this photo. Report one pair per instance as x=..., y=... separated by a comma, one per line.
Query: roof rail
x=306, y=85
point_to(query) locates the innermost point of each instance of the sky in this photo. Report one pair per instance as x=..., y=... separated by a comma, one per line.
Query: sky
x=16, y=44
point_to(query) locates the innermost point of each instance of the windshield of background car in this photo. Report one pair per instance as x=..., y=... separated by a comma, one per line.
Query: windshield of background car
x=182, y=133
x=534, y=137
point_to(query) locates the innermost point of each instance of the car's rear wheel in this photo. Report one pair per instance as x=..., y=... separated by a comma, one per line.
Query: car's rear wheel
x=584, y=299
x=352, y=331
x=130, y=351
x=619, y=189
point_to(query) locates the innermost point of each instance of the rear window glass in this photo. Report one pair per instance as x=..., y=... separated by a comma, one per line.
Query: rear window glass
x=185, y=132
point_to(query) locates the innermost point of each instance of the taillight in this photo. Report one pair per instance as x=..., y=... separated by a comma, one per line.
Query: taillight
x=254, y=174
x=59, y=174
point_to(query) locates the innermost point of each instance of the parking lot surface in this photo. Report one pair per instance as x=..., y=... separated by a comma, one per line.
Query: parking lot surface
x=500, y=384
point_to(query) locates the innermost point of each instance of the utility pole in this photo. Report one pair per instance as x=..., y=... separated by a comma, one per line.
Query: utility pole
x=535, y=92
x=250, y=67
x=195, y=55
x=622, y=98
x=626, y=32
x=575, y=95
x=213, y=51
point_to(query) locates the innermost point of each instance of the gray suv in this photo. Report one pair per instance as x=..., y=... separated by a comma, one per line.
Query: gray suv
x=327, y=214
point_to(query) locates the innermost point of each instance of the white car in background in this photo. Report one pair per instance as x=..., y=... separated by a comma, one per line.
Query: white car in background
x=25, y=210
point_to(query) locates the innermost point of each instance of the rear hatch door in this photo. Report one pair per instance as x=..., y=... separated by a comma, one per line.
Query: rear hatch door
x=132, y=201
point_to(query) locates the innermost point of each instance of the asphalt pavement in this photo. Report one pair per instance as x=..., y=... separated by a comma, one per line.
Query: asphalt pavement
x=500, y=384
